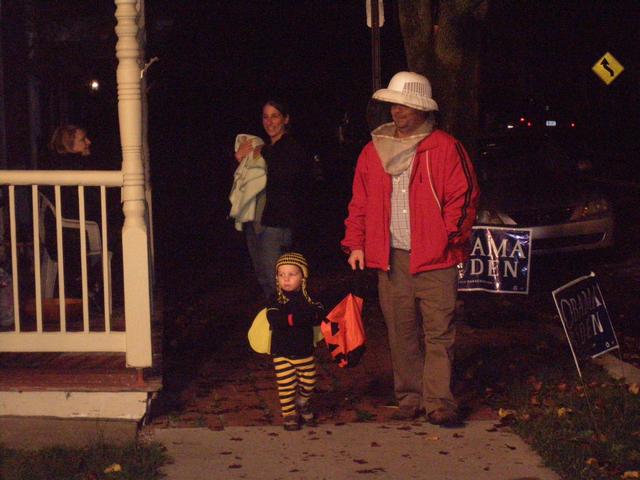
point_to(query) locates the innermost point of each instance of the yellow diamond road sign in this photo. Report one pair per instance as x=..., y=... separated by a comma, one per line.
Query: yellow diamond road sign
x=607, y=68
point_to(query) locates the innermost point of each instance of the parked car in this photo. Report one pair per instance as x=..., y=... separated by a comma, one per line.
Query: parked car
x=541, y=181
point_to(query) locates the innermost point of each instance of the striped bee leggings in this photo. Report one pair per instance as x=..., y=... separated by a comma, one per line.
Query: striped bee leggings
x=295, y=376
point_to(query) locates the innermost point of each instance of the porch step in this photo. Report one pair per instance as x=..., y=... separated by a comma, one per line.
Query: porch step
x=78, y=372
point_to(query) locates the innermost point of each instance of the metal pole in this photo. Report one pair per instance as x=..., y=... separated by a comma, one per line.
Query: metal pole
x=3, y=133
x=375, y=46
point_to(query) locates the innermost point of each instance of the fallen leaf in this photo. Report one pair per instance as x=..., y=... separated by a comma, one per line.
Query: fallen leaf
x=534, y=400
x=458, y=435
x=634, y=389
x=506, y=412
x=234, y=465
x=510, y=447
x=374, y=444
x=562, y=387
x=113, y=468
x=591, y=461
x=631, y=474
x=563, y=411
x=525, y=417
x=360, y=461
x=432, y=438
x=443, y=452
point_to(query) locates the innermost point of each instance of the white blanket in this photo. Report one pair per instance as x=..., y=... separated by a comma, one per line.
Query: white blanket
x=247, y=195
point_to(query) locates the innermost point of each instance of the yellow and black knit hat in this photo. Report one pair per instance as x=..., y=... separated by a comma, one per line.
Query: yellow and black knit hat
x=294, y=258
x=297, y=259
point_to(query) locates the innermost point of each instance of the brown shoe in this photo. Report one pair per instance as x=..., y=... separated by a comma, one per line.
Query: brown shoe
x=405, y=413
x=443, y=416
x=291, y=423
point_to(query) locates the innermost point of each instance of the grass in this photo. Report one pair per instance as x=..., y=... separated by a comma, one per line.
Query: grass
x=137, y=462
x=364, y=416
x=584, y=430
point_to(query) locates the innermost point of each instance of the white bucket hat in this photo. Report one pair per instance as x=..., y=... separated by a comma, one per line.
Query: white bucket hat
x=410, y=89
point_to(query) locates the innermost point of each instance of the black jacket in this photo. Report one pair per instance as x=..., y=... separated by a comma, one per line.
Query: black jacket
x=288, y=180
x=292, y=326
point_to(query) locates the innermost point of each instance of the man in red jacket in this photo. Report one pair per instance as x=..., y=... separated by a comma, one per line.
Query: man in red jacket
x=414, y=201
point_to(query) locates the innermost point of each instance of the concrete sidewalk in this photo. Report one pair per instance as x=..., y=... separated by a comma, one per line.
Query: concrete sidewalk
x=478, y=450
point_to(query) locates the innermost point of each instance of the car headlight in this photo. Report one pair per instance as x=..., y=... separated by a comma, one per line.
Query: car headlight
x=488, y=217
x=591, y=209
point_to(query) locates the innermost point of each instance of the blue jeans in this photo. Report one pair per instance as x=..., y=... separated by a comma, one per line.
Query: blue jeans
x=265, y=248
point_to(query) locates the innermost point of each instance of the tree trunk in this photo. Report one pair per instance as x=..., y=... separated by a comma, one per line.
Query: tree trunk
x=416, y=23
x=445, y=47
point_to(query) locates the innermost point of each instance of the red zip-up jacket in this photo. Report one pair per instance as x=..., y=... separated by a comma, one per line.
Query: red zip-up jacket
x=443, y=198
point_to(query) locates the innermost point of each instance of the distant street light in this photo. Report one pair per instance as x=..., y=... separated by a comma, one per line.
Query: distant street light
x=94, y=85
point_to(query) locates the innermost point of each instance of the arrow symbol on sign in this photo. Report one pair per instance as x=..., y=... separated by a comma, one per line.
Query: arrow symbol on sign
x=605, y=65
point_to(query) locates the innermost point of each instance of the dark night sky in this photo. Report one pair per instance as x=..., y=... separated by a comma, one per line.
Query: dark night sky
x=219, y=60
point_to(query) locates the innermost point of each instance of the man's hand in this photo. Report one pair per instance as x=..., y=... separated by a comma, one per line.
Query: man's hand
x=356, y=257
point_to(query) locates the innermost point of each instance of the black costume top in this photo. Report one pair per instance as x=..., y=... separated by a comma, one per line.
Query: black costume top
x=292, y=325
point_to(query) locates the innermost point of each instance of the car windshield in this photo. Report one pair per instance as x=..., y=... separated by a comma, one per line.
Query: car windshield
x=540, y=158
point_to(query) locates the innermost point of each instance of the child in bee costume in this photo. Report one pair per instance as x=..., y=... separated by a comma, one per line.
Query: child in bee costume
x=292, y=316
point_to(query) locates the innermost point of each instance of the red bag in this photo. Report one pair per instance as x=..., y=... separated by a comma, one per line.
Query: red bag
x=344, y=332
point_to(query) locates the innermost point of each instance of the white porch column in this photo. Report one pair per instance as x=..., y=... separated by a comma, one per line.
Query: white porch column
x=135, y=241
x=142, y=39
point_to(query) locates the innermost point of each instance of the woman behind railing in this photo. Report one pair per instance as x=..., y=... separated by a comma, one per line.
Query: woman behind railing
x=70, y=149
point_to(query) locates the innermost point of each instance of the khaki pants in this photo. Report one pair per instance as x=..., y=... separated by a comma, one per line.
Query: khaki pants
x=421, y=350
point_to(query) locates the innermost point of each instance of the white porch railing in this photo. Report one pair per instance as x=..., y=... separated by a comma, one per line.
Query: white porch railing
x=94, y=334
x=137, y=258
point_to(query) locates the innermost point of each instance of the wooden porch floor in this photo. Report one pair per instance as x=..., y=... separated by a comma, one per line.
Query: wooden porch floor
x=78, y=372
x=81, y=372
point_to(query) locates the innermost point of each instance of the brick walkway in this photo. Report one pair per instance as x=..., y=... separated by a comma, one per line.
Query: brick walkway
x=226, y=384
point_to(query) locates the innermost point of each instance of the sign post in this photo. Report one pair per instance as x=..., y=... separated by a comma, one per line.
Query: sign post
x=375, y=19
